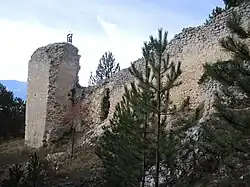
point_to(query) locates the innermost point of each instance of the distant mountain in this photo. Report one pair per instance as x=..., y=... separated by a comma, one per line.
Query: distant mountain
x=18, y=88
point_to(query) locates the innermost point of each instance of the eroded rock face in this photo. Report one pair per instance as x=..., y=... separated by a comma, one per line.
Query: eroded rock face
x=53, y=72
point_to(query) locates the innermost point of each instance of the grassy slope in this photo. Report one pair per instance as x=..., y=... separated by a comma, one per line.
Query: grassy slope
x=82, y=167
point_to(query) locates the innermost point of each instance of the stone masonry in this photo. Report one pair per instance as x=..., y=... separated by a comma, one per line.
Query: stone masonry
x=52, y=73
x=193, y=47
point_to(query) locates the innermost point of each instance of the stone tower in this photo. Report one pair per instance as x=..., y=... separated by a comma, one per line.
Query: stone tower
x=52, y=73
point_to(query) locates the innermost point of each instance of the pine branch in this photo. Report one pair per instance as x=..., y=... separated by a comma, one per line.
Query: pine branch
x=234, y=24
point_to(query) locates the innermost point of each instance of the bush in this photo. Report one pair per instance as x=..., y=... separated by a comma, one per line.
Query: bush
x=12, y=114
x=30, y=175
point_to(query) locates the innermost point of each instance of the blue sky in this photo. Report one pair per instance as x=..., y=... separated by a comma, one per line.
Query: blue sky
x=119, y=26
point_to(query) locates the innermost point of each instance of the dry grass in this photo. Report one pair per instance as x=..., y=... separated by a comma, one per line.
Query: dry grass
x=14, y=152
x=84, y=163
x=84, y=160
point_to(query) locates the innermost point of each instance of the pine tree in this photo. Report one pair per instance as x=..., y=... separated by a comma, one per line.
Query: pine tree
x=12, y=114
x=228, y=132
x=233, y=3
x=30, y=176
x=144, y=95
x=119, y=148
x=181, y=150
x=34, y=177
x=160, y=68
x=228, y=4
x=15, y=178
x=217, y=11
x=107, y=67
x=137, y=133
x=91, y=79
x=144, y=119
x=130, y=120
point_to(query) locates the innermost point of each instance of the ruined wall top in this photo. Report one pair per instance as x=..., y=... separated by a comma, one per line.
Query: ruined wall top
x=55, y=49
x=193, y=47
x=192, y=36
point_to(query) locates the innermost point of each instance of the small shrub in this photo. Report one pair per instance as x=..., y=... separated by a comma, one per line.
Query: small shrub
x=30, y=176
x=16, y=175
x=33, y=172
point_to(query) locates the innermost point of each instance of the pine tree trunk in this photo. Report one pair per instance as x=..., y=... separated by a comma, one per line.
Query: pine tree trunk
x=157, y=153
x=158, y=125
x=144, y=150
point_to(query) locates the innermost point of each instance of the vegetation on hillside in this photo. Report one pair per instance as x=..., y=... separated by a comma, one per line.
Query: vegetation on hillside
x=228, y=133
x=158, y=102
x=216, y=11
x=12, y=114
x=106, y=68
x=228, y=4
x=233, y=3
x=30, y=175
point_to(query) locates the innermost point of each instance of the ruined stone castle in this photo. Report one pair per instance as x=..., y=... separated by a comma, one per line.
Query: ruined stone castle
x=53, y=72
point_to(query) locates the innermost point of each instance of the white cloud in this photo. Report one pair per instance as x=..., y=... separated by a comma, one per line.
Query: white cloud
x=18, y=41
x=125, y=33
x=21, y=39
x=125, y=46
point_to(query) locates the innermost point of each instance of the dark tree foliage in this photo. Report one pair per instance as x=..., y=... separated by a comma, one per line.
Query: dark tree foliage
x=136, y=139
x=215, y=12
x=120, y=148
x=160, y=68
x=34, y=176
x=228, y=4
x=138, y=123
x=31, y=175
x=107, y=67
x=12, y=114
x=233, y=3
x=16, y=175
x=227, y=135
x=180, y=154
x=141, y=96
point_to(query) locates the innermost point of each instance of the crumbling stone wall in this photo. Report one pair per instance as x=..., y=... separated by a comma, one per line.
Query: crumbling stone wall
x=199, y=45
x=193, y=47
x=52, y=73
